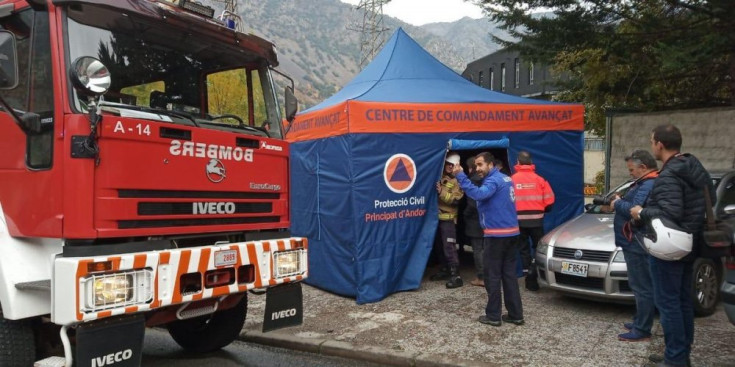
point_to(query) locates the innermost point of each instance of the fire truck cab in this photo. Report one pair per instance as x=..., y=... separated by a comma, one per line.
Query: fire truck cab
x=143, y=181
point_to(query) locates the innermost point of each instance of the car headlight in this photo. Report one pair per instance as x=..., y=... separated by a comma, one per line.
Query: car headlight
x=288, y=263
x=619, y=257
x=542, y=248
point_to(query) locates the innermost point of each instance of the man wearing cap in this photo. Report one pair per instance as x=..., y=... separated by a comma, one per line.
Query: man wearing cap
x=642, y=167
x=449, y=196
x=534, y=197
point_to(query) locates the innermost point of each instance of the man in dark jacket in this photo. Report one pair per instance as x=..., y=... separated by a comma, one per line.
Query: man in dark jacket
x=678, y=195
x=472, y=228
x=642, y=167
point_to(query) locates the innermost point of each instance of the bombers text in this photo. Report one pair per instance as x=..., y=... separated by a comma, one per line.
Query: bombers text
x=203, y=150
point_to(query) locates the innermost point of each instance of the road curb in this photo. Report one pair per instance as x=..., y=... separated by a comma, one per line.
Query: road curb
x=372, y=354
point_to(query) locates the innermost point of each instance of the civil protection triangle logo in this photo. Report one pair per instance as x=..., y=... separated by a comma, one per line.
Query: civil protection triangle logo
x=399, y=173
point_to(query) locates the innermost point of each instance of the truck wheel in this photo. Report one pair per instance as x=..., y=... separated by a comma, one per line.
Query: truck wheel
x=17, y=343
x=705, y=287
x=212, y=332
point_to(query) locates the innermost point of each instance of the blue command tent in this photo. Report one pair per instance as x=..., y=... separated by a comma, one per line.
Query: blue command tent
x=364, y=163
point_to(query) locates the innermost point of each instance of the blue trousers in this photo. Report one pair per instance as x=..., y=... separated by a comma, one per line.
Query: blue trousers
x=672, y=289
x=639, y=278
x=499, y=265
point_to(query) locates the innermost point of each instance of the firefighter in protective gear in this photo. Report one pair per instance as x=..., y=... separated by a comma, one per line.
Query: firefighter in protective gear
x=445, y=243
x=534, y=197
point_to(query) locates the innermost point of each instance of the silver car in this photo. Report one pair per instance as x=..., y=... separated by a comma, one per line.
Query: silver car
x=580, y=258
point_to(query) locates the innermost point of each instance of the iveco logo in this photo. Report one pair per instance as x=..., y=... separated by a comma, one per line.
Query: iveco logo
x=215, y=170
x=578, y=254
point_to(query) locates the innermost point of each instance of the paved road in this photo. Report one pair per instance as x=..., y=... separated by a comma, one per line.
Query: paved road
x=161, y=350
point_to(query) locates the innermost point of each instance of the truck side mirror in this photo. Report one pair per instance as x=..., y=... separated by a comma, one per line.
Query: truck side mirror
x=8, y=61
x=292, y=105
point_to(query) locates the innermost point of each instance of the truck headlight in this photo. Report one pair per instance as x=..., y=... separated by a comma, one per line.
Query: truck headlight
x=542, y=248
x=619, y=257
x=104, y=291
x=288, y=263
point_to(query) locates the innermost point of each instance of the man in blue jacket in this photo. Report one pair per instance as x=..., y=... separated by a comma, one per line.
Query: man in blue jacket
x=642, y=167
x=496, y=207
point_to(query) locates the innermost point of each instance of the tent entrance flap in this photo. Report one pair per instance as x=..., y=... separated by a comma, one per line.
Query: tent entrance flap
x=462, y=144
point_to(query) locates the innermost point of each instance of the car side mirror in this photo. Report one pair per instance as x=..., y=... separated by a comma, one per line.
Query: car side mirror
x=8, y=61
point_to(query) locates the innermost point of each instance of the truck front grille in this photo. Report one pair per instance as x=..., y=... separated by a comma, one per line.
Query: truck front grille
x=166, y=194
x=191, y=208
x=128, y=224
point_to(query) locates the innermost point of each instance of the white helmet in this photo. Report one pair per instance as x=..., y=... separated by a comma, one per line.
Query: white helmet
x=453, y=158
x=666, y=240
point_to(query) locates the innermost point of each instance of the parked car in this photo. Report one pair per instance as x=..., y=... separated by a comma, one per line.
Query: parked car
x=580, y=258
x=728, y=290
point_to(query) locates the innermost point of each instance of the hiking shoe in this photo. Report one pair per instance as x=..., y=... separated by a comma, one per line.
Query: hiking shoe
x=628, y=326
x=507, y=318
x=656, y=358
x=454, y=282
x=443, y=274
x=532, y=286
x=633, y=336
x=486, y=320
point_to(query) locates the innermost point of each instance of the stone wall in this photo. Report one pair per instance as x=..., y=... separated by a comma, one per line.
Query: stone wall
x=708, y=134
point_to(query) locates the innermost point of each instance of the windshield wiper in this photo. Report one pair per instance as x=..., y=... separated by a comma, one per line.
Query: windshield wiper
x=150, y=110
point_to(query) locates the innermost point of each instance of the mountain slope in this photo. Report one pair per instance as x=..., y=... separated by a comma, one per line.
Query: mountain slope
x=318, y=47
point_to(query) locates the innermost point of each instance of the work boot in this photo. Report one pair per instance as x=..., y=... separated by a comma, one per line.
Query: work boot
x=532, y=280
x=443, y=274
x=455, y=281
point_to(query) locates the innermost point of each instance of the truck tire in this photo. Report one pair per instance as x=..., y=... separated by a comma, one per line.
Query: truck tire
x=17, y=343
x=212, y=332
x=705, y=286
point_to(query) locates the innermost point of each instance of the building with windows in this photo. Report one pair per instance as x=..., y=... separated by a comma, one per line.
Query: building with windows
x=507, y=72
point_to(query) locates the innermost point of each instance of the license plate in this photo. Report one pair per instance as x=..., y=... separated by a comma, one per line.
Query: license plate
x=225, y=257
x=575, y=269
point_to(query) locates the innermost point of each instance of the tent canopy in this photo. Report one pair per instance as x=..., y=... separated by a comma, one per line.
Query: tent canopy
x=364, y=163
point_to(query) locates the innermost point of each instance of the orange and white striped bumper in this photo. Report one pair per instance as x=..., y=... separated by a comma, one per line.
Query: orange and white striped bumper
x=159, y=274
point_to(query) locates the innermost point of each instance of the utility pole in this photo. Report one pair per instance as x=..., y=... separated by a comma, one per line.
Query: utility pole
x=372, y=31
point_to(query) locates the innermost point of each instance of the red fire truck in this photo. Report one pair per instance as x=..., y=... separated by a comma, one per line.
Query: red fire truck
x=143, y=181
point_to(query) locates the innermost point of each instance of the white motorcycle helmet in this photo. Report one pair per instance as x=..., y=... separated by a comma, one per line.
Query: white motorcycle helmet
x=666, y=240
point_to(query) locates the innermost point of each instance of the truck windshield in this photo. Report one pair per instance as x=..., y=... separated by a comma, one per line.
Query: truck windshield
x=162, y=74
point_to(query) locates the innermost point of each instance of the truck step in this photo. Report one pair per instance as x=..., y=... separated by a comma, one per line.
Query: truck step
x=54, y=361
x=38, y=285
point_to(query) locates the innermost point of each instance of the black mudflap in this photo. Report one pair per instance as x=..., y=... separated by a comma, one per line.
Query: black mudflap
x=113, y=343
x=284, y=307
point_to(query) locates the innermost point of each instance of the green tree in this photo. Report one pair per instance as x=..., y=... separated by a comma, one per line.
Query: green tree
x=628, y=54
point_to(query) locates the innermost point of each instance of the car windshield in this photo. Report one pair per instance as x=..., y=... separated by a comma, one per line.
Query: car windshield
x=162, y=75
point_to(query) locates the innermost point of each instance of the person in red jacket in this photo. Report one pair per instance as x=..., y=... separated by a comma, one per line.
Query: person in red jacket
x=534, y=197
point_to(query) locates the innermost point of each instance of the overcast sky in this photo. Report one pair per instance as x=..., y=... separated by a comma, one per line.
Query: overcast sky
x=419, y=12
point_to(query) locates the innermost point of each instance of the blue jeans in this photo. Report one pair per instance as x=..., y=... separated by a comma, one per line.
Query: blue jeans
x=672, y=289
x=639, y=279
